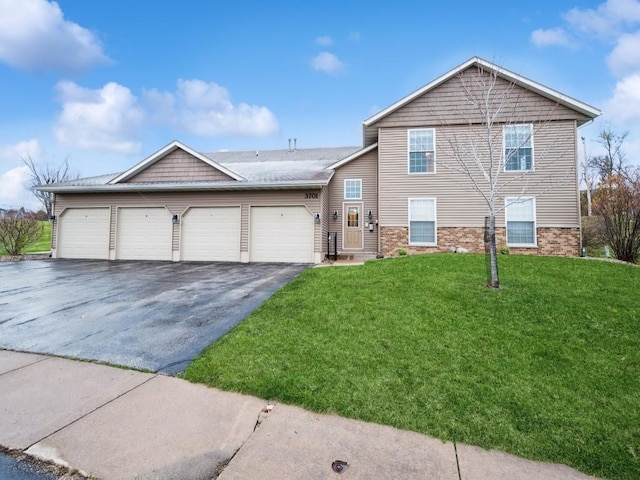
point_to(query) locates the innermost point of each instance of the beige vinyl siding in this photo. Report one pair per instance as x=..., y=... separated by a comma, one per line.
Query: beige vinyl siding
x=179, y=166
x=366, y=169
x=554, y=178
x=445, y=105
x=326, y=219
x=178, y=202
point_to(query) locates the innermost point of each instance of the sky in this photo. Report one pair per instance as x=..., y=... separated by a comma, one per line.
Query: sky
x=105, y=83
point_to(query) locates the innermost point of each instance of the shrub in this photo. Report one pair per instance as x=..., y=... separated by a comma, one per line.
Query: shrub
x=402, y=252
x=504, y=250
x=17, y=231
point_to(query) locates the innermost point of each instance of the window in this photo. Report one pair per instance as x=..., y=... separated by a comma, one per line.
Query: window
x=520, y=216
x=422, y=151
x=422, y=221
x=353, y=189
x=518, y=148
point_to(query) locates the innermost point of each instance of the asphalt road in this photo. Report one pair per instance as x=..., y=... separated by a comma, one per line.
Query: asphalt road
x=147, y=315
x=13, y=469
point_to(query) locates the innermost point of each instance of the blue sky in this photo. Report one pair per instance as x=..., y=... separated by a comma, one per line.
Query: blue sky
x=105, y=83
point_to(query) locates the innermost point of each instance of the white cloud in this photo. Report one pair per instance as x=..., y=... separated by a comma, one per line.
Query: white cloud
x=205, y=109
x=13, y=193
x=624, y=106
x=625, y=57
x=13, y=153
x=105, y=119
x=324, y=41
x=35, y=36
x=607, y=19
x=328, y=63
x=551, y=36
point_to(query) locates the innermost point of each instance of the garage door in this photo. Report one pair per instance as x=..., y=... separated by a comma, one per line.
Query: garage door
x=211, y=234
x=144, y=234
x=83, y=233
x=281, y=234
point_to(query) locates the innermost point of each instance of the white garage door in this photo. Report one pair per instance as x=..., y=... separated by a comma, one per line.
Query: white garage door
x=281, y=234
x=211, y=234
x=83, y=233
x=144, y=234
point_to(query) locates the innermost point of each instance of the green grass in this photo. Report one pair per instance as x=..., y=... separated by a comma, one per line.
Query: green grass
x=42, y=245
x=547, y=368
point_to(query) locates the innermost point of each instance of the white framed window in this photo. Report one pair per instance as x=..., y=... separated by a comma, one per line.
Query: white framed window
x=422, y=221
x=520, y=219
x=422, y=151
x=353, y=189
x=518, y=148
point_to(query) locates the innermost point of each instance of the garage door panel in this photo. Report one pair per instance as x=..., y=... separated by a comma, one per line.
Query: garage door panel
x=144, y=234
x=281, y=234
x=84, y=233
x=211, y=234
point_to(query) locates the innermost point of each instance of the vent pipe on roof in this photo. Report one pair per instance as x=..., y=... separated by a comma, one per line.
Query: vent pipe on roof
x=289, y=145
x=295, y=140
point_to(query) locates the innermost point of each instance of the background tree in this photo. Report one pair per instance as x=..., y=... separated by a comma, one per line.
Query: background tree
x=588, y=174
x=617, y=202
x=479, y=150
x=45, y=174
x=614, y=160
x=18, y=230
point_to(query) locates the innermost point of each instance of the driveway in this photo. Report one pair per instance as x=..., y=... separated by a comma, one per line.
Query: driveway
x=149, y=315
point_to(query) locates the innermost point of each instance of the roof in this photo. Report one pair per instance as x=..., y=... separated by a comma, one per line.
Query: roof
x=524, y=82
x=256, y=170
x=353, y=156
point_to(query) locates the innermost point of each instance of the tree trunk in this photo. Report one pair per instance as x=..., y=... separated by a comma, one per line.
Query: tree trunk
x=493, y=252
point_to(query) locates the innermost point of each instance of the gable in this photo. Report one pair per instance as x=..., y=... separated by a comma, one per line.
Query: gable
x=179, y=166
x=441, y=102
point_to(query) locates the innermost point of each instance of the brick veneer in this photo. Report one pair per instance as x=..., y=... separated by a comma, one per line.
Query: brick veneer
x=551, y=241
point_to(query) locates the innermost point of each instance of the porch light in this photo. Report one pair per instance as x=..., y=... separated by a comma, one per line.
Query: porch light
x=175, y=220
x=335, y=214
x=317, y=218
x=52, y=218
x=370, y=215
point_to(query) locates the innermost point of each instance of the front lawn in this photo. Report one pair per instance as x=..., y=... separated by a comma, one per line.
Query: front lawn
x=547, y=368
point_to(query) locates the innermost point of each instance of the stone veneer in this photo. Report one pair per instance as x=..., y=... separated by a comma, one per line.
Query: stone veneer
x=551, y=241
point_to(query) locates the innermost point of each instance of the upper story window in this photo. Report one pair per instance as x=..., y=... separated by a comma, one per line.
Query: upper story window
x=520, y=217
x=353, y=189
x=518, y=147
x=422, y=150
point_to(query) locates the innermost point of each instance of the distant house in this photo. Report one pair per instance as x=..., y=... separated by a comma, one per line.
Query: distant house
x=396, y=191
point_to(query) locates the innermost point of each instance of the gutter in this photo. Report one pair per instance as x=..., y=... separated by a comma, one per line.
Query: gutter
x=185, y=187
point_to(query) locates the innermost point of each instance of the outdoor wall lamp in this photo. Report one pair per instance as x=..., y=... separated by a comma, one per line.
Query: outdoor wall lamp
x=317, y=218
x=370, y=215
x=52, y=218
x=174, y=219
x=335, y=214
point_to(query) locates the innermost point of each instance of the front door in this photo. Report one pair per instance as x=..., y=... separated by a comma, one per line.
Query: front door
x=352, y=226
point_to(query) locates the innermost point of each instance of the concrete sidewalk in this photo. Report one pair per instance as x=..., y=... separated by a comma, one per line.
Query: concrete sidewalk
x=112, y=423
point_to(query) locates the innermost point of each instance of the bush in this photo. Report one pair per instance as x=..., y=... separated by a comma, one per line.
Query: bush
x=504, y=250
x=18, y=230
x=402, y=252
x=593, y=232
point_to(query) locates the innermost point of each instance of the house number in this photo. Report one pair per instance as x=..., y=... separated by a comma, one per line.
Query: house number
x=311, y=195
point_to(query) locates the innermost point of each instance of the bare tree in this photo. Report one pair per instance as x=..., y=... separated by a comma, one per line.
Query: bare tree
x=18, y=230
x=617, y=202
x=482, y=157
x=614, y=160
x=45, y=174
x=587, y=175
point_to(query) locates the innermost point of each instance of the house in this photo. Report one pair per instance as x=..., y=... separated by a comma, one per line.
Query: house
x=403, y=189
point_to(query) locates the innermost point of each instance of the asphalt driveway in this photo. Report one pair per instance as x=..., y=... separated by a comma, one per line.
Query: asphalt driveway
x=150, y=315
